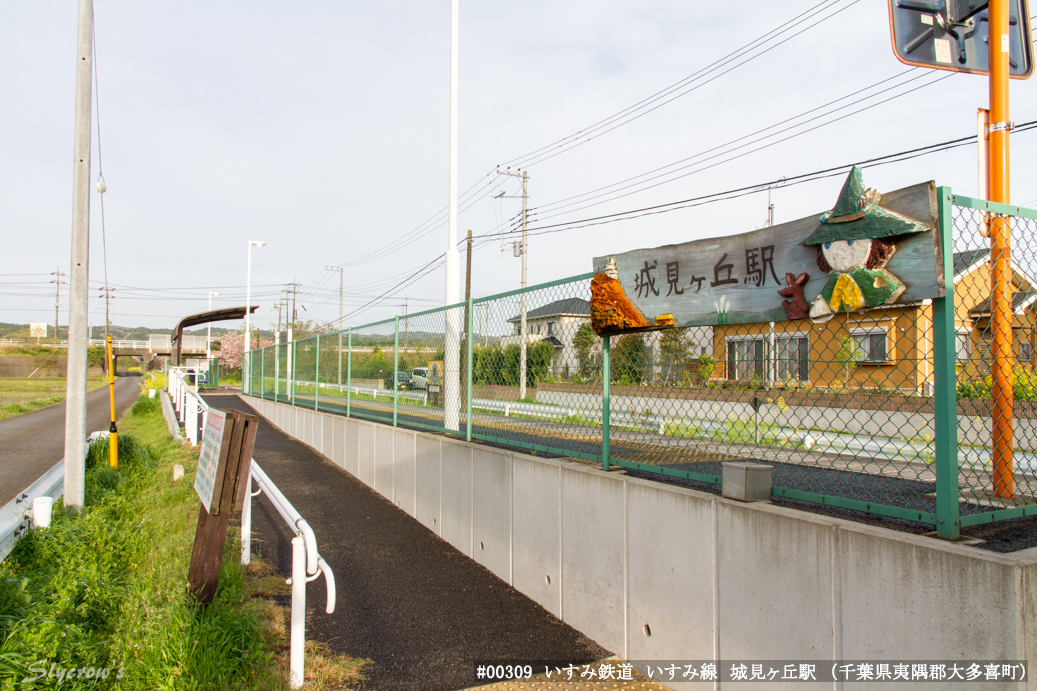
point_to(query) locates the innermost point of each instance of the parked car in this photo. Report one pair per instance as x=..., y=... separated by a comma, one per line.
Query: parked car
x=403, y=380
x=419, y=377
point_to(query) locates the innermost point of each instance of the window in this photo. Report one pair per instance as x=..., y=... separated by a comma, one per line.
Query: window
x=748, y=358
x=871, y=344
x=745, y=359
x=963, y=344
x=792, y=358
x=1025, y=352
x=552, y=328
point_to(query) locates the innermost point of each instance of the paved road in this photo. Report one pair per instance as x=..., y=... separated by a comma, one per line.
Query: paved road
x=31, y=443
x=417, y=607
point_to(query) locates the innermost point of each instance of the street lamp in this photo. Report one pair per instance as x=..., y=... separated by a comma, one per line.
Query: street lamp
x=208, y=330
x=248, y=309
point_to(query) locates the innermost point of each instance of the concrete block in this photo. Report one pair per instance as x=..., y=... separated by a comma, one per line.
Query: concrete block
x=456, y=488
x=536, y=535
x=669, y=551
x=427, y=452
x=747, y=481
x=350, y=452
x=921, y=599
x=336, y=426
x=491, y=511
x=365, y=454
x=403, y=471
x=327, y=434
x=592, y=555
x=383, y=453
x=775, y=580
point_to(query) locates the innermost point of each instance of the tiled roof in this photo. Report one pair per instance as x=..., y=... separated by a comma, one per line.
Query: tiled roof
x=577, y=307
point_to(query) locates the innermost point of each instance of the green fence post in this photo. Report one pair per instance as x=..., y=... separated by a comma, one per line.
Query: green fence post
x=468, y=404
x=349, y=369
x=606, y=376
x=262, y=374
x=395, y=369
x=945, y=394
x=316, y=380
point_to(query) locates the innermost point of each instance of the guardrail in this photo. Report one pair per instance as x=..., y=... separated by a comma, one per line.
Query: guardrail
x=16, y=515
x=190, y=343
x=307, y=564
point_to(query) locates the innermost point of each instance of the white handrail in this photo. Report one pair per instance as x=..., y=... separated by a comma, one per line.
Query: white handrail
x=187, y=401
x=305, y=561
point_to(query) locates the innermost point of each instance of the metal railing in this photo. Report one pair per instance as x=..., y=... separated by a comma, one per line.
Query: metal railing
x=307, y=564
x=191, y=410
x=17, y=514
x=887, y=412
x=154, y=342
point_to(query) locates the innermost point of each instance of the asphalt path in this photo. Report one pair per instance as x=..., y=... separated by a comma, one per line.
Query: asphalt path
x=413, y=604
x=31, y=443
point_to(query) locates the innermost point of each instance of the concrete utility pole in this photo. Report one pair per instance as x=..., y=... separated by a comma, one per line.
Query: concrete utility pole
x=452, y=345
x=340, y=290
x=522, y=249
x=58, y=275
x=79, y=274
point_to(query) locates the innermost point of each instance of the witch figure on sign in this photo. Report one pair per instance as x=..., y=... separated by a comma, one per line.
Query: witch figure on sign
x=854, y=242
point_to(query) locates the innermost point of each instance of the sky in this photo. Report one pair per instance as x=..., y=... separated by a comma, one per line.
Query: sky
x=322, y=130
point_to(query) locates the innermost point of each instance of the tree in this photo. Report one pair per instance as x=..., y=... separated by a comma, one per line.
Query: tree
x=584, y=341
x=675, y=351
x=848, y=356
x=232, y=346
x=629, y=358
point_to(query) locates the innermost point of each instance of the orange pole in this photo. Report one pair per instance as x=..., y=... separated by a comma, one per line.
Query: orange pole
x=1000, y=253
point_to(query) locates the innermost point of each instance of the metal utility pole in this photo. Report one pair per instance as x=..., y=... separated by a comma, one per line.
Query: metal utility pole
x=340, y=289
x=58, y=275
x=452, y=340
x=523, y=250
x=79, y=274
x=1000, y=253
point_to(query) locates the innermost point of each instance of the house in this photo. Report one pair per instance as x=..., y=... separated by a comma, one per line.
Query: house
x=885, y=347
x=557, y=323
x=560, y=321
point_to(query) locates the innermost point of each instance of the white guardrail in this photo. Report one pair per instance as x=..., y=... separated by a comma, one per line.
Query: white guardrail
x=33, y=505
x=307, y=564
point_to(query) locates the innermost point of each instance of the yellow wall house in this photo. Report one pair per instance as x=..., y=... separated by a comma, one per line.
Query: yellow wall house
x=887, y=348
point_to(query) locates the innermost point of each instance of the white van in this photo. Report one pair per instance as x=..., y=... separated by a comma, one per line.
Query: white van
x=419, y=377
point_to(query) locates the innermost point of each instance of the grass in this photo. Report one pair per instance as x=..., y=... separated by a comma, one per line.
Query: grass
x=106, y=590
x=19, y=395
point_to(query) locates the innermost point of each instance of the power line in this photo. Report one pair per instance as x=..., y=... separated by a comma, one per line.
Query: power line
x=753, y=189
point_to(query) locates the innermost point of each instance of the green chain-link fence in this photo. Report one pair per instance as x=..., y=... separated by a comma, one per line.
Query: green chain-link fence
x=884, y=411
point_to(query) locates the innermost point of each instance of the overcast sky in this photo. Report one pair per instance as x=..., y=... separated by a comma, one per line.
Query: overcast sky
x=321, y=129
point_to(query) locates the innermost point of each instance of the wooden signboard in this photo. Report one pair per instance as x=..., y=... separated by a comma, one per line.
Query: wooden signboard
x=736, y=278
x=225, y=461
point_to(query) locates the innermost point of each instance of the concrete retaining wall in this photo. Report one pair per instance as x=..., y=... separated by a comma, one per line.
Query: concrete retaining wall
x=710, y=578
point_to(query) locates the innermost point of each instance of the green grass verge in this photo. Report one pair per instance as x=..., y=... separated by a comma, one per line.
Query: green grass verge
x=106, y=590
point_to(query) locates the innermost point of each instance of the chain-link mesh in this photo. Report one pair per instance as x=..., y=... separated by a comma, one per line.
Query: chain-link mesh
x=843, y=410
x=537, y=370
x=996, y=383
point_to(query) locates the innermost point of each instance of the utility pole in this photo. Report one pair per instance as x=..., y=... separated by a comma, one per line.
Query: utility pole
x=108, y=297
x=340, y=289
x=452, y=330
x=523, y=249
x=74, y=492
x=58, y=275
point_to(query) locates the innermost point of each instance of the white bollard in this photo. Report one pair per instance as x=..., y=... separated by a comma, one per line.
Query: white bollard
x=297, y=659
x=246, y=523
